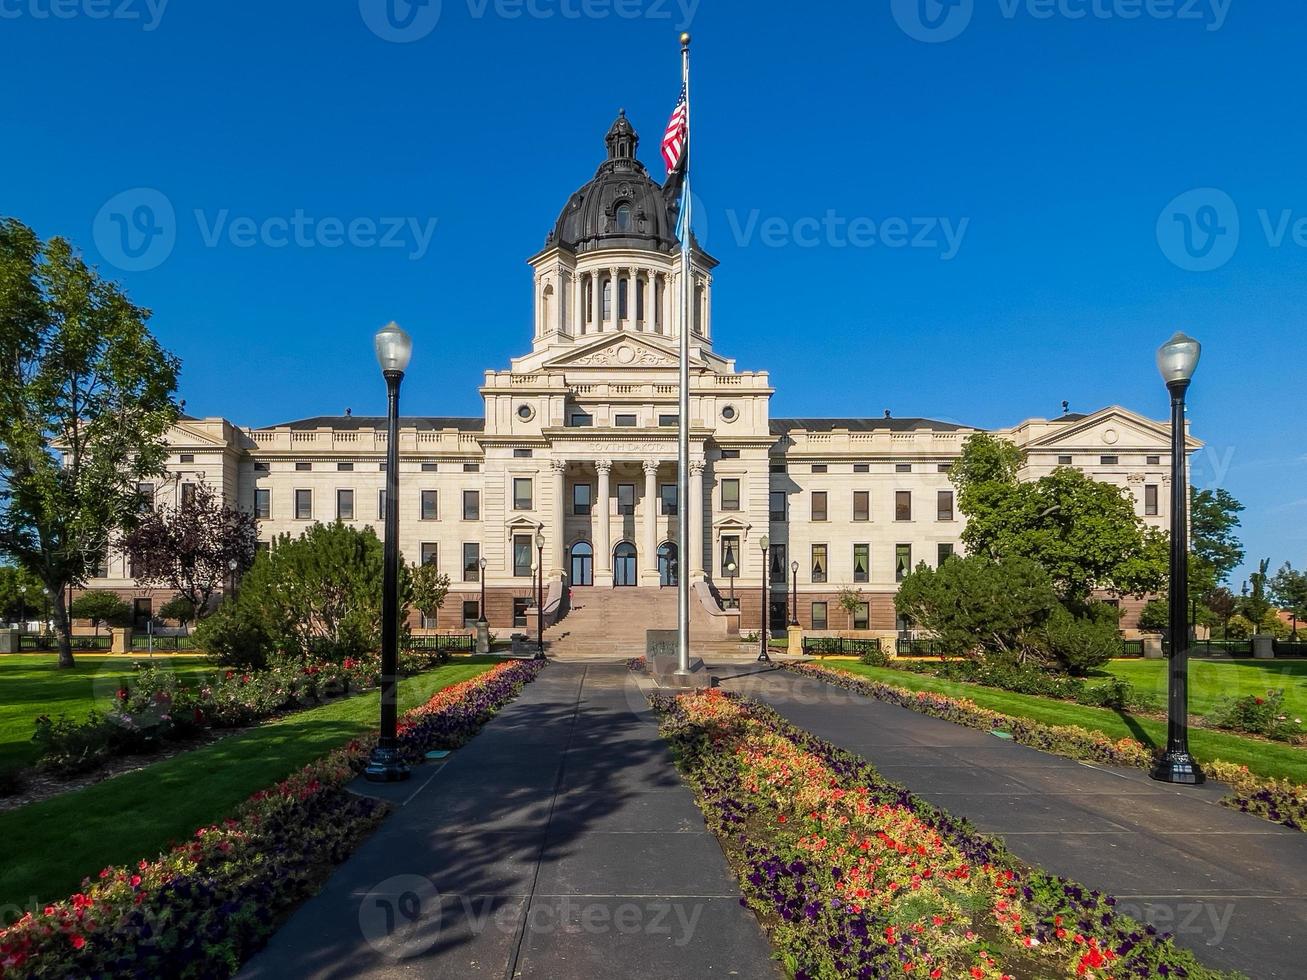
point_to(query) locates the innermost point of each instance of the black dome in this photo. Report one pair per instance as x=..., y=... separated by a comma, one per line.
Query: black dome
x=622, y=206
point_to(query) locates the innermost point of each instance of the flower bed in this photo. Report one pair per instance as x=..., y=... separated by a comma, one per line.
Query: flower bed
x=204, y=907
x=852, y=876
x=1279, y=801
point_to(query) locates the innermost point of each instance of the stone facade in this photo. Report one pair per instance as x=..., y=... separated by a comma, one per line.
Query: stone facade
x=578, y=441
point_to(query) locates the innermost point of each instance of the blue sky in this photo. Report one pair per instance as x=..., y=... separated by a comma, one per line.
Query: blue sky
x=968, y=212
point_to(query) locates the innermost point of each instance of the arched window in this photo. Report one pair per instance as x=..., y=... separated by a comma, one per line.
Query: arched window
x=547, y=310
x=667, y=563
x=608, y=300
x=624, y=565
x=582, y=564
x=622, y=220
x=623, y=292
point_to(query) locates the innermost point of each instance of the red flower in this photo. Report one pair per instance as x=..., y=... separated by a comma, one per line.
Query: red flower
x=78, y=942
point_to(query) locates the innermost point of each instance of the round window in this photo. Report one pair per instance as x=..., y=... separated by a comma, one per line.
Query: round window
x=525, y=412
x=729, y=413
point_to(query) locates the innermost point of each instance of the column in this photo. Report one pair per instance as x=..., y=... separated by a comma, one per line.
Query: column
x=649, y=561
x=603, y=526
x=577, y=312
x=596, y=303
x=648, y=302
x=613, y=308
x=695, y=503
x=556, y=552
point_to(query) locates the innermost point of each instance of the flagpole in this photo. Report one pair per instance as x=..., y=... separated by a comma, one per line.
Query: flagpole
x=686, y=563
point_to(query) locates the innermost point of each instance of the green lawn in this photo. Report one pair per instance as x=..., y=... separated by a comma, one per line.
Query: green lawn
x=1274, y=759
x=47, y=848
x=1210, y=680
x=32, y=685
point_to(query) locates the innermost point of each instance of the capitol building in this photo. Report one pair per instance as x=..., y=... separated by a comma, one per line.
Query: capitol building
x=578, y=443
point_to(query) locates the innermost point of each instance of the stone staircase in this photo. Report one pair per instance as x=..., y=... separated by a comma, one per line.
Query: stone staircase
x=610, y=624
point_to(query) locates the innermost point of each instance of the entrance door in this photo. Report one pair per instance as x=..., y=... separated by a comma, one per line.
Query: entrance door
x=583, y=564
x=624, y=570
x=142, y=613
x=667, y=564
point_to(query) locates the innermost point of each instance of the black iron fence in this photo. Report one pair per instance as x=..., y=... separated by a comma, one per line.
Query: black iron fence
x=162, y=643
x=38, y=643
x=921, y=646
x=454, y=642
x=838, y=646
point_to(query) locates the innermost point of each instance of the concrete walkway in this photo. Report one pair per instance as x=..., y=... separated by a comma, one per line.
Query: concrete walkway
x=560, y=842
x=1232, y=887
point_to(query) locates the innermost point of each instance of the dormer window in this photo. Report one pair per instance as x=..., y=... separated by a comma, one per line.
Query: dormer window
x=622, y=218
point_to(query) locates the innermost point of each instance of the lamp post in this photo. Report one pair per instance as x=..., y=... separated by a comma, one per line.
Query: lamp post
x=731, y=569
x=763, y=658
x=394, y=350
x=540, y=595
x=794, y=593
x=481, y=573
x=1176, y=360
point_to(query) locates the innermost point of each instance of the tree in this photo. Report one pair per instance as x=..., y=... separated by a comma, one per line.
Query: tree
x=1156, y=616
x=1222, y=602
x=1082, y=640
x=430, y=587
x=101, y=607
x=86, y=395
x=1215, y=550
x=975, y=603
x=1253, y=604
x=1289, y=589
x=21, y=595
x=849, y=599
x=179, y=608
x=1084, y=533
x=194, y=549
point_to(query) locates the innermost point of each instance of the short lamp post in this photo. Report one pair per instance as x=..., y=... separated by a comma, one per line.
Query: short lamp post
x=481, y=608
x=540, y=595
x=731, y=569
x=794, y=593
x=1176, y=360
x=394, y=350
x=763, y=658
x=234, y=567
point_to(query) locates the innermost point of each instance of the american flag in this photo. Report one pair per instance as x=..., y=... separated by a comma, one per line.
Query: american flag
x=677, y=131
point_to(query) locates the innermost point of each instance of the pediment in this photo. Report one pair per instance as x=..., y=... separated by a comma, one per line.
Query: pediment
x=620, y=351
x=182, y=434
x=1108, y=429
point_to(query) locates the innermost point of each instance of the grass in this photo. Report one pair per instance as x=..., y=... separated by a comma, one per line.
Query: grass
x=1210, y=680
x=47, y=848
x=1273, y=759
x=33, y=684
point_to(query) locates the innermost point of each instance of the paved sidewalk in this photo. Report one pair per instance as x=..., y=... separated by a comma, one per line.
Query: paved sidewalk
x=559, y=843
x=1230, y=886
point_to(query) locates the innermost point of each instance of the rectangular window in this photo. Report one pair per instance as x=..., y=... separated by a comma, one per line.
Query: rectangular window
x=303, y=467
x=344, y=467
x=522, y=453
x=945, y=468
x=582, y=499
x=187, y=457
x=861, y=562
x=430, y=553
x=303, y=505
x=471, y=612
x=1108, y=460
x=344, y=505
x=430, y=468
x=263, y=504
x=581, y=420
x=862, y=616
x=471, y=505
x=730, y=494
x=520, y=609
x=943, y=553
x=730, y=555
x=430, y=505
x=862, y=505
x=902, y=561
x=471, y=561
x=730, y=454
x=471, y=467
x=819, y=467
x=1154, y=460
x=944, y=505
x=819, y=505
x=381, y=505
x=626, y=499
x=522, y=493
x=667, y=493
x=1064, y=461
x=819, y=616
x=780, y=571
x=1150, y=500
x=777, y=505
x=145, y=491
x=778, y=467
x=902, y=505
x=624, y=421
x=861, y=467
x=818, y=563
x=667, y=421
x=261, y=467
x=522, y=555
x=188, y=494
x=902, y=467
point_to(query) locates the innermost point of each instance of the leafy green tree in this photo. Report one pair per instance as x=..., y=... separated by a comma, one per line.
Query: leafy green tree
x=849, y=600
x=1289, y=588
x=976, y=604
x=1079, y=642
x=1223, y=603
x=1254, y=603
x=1215, y=549
x=1156, y=616
x=21, y=595
x=86, y=395
x=430, y=588
x=180, y=609
x=101, y=608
